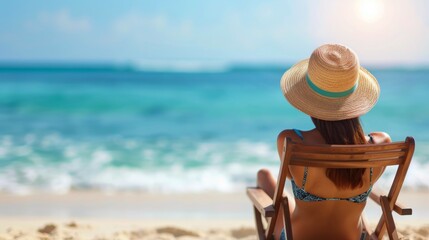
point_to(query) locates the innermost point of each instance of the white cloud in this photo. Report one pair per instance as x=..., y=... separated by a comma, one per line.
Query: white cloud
x=62, y=21
x=257, y=33
x=133, y=22
x=152, y=37
x=283, y=32
x=157, y=25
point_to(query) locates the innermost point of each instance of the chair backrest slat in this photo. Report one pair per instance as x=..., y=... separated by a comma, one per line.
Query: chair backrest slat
x=346, y=164
x=335, y=149
x=350, y=156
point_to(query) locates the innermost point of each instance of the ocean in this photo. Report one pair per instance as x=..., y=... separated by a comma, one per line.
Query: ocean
x=122, y=129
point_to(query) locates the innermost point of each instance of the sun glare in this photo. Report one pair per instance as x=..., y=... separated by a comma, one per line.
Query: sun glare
x=370, y=10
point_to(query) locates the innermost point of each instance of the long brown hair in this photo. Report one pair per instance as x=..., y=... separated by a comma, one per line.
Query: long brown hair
x=348, y=131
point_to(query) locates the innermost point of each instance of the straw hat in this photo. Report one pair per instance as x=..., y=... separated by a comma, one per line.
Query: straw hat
x=331, y=85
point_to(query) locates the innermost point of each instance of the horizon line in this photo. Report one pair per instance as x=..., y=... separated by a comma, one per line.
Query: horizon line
x=173, y=67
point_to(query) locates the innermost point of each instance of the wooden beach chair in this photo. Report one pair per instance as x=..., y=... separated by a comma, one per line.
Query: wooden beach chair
x=337, y=156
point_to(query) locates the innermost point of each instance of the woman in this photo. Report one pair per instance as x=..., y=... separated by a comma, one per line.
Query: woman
x=334, y=91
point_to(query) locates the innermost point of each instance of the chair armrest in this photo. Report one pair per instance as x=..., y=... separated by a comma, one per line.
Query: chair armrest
x=398, y=207
x=261, y=201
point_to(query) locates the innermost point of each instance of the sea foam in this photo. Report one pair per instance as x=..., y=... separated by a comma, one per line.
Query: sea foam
x=162, y=166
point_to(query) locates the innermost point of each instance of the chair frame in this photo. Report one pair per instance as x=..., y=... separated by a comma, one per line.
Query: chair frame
x=337, y=156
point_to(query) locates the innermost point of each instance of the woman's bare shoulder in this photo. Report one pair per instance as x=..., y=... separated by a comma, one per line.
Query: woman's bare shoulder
x=381, y=137
x=287, y=133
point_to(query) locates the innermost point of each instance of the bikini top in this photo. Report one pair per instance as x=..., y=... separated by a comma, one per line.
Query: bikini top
x=303, y=195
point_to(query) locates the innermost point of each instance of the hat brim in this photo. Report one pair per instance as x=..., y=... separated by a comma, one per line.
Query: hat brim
x=297, y=91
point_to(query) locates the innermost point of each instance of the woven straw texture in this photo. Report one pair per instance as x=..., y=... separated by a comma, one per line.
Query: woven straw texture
x=333, y=68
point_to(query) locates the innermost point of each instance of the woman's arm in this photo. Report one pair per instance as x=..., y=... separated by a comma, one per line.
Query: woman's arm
x=380, y=137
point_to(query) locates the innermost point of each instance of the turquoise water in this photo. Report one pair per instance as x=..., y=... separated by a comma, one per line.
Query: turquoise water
x=119, y=129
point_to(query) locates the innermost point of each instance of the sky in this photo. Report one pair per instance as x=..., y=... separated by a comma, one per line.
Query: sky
x=381, y=32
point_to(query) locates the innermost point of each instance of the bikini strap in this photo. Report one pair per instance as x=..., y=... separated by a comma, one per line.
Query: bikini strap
x=298, y=133
x=370, y=176
x=304, y=179
x=371, y=139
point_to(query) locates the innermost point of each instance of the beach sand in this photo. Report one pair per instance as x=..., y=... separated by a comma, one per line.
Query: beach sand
x=133, y=215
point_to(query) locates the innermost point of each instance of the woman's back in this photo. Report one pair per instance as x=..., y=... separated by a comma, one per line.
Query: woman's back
x=325, y=206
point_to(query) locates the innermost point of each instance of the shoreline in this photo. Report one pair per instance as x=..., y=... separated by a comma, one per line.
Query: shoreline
x=128, y=205
x=137, y=215
x=136, y=205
